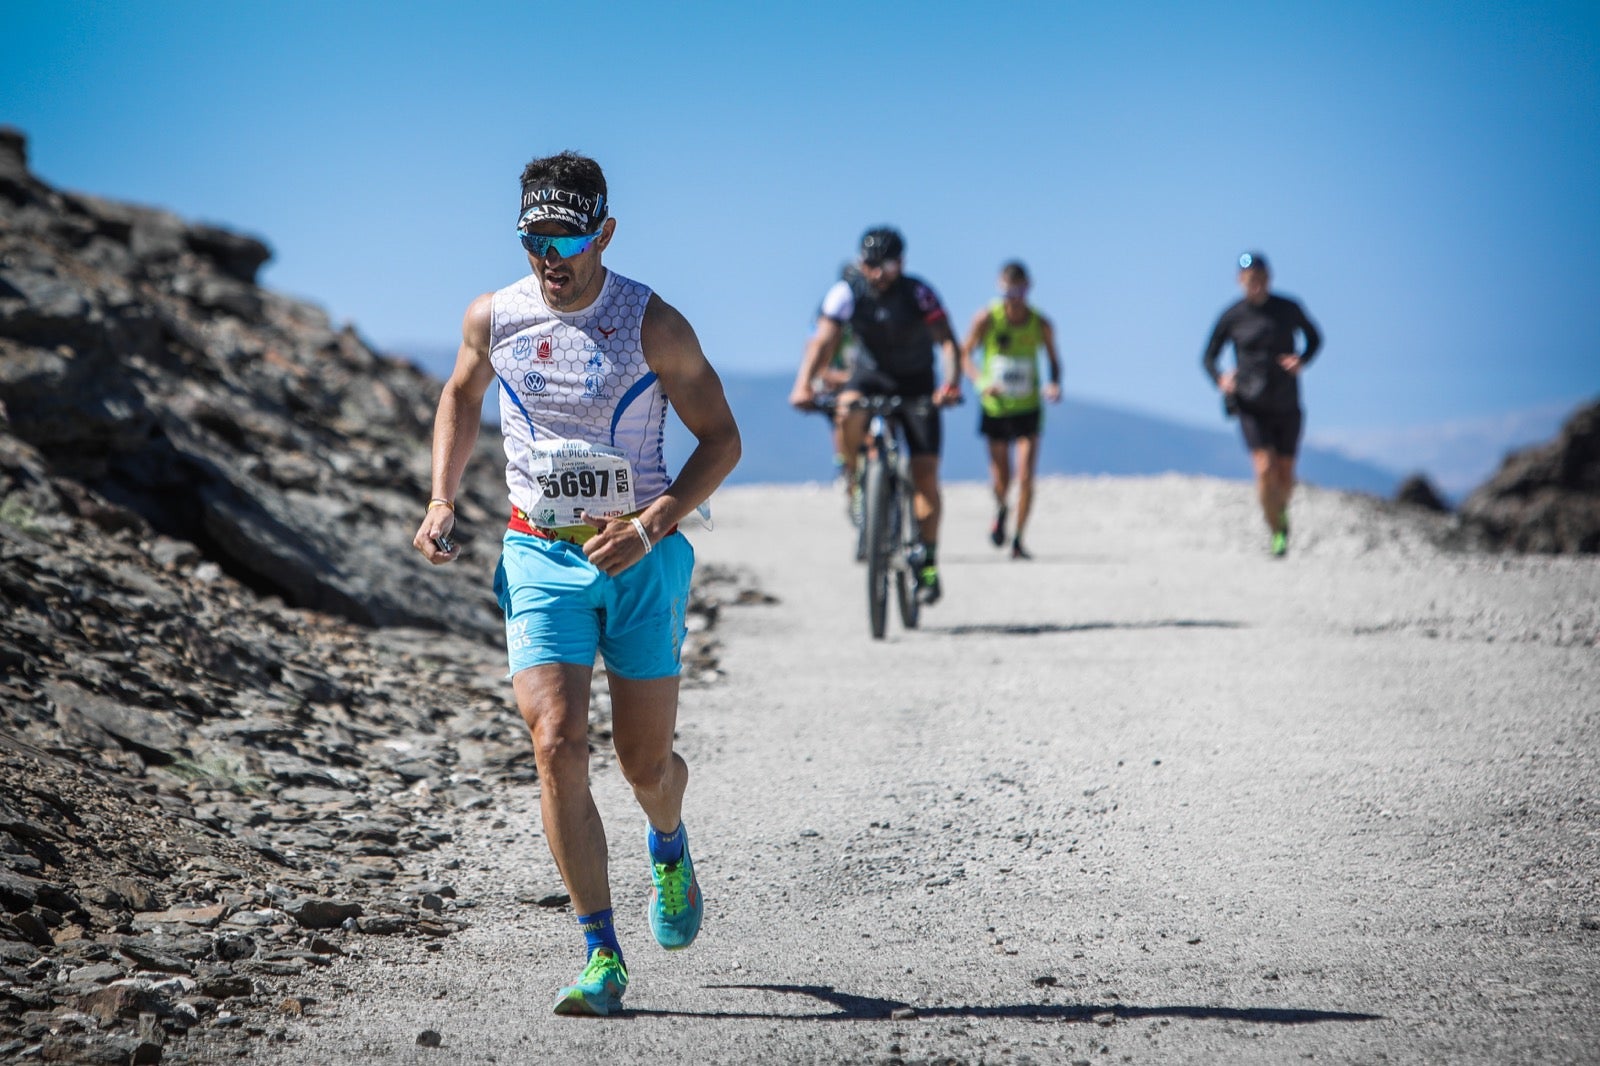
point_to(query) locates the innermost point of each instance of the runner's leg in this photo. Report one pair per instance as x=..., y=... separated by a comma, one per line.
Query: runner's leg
x=1266, y=486
x=1027, y=461
x=1279, y=487
x=1000, y=470
x=1000, y=483
x=554, y=701
x=852, y=430
x=643, y=717
x=643, y=714
x=925, y=482
x=850, y=433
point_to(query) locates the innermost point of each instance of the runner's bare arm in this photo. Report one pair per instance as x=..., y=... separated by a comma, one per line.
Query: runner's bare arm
x=950, y=368
x=692, y=387
x=455, y=426
x=975, y=337
x=1047, y=332
x=819, y=350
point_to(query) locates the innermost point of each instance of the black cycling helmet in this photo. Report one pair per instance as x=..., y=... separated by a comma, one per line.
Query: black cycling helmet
x=883, y=242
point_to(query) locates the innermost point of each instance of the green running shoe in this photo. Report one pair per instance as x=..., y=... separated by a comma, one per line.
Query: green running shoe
x=928, y=590
x=675, y=903
x=598, y=989
x=1280, y=544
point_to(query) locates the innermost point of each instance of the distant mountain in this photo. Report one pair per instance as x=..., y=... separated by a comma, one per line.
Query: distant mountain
x=782, y=445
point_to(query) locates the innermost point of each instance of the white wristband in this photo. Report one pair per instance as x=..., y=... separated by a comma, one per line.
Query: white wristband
x=638, y=527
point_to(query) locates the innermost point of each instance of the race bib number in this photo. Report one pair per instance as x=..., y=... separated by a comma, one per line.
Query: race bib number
x=574, y=477
x=1014, y=376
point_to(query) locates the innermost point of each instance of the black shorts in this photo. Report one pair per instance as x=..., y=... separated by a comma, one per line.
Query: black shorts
x=924, y=431
x=1010, y=427
x=1272, y=431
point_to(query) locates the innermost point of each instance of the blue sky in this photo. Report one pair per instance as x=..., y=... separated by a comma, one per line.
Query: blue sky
x=1423, y=176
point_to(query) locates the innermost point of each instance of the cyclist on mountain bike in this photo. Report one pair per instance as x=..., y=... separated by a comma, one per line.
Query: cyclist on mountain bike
x=898, y=319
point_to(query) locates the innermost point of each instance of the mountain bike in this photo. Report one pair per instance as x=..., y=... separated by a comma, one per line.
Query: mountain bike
x=893, y=543
x=888, y=537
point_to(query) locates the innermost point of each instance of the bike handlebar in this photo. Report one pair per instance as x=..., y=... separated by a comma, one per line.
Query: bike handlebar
x=879, y=404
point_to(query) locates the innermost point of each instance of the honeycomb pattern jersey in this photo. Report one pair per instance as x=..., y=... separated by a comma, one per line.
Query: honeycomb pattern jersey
x=579, y=376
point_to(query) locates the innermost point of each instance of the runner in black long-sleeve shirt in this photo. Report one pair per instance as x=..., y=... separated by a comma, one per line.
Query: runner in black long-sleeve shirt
x=1264, y=386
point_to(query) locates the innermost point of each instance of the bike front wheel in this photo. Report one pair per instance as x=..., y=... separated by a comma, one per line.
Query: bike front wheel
x=877, y=521
x=906, y=576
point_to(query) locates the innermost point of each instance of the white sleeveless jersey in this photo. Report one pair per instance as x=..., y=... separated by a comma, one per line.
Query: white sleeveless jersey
x=577, y=377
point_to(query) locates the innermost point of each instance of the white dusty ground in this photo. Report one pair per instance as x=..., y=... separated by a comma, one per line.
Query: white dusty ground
x=1151, y=797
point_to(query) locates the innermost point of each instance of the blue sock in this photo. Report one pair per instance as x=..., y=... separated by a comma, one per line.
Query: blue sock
x=598, y=932
x=666, y=848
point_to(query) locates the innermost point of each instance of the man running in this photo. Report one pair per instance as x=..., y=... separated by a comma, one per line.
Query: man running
x=1263, y=389
x=592, y=560
x=897, y=319
x=1010, y=334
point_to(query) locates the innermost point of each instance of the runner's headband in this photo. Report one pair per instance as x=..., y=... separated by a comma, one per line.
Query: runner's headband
x=578, y=212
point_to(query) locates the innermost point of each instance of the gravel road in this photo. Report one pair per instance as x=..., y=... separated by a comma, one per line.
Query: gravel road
x=1151, y=797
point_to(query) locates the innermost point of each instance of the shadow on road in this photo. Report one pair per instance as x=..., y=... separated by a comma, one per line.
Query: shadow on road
x=1035, y=629
x=849, y=1007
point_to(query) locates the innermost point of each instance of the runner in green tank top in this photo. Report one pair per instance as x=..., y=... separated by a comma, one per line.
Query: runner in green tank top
x=1001, y=355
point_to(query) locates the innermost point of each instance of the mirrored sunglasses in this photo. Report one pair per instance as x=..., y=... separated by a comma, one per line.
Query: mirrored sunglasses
x=565, y=247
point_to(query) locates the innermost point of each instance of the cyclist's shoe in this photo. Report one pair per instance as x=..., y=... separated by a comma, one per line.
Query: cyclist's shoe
x=675, y=903
x=598, y=989
x=997, y=532
x=1280, y=543
x=1019, y=552
x=928, y=591
x=855, y=505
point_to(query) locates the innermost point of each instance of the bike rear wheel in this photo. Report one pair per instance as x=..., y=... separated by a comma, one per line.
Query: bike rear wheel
x=877, y=521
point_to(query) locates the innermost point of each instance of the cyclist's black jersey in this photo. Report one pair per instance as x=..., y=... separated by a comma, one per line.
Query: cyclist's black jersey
x=1259, y=336
x=894, y=326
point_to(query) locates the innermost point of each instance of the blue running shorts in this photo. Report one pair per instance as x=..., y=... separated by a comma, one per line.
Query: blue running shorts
x=560, y=608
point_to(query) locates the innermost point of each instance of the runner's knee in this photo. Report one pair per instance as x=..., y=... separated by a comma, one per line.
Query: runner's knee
x=645, y=772
x=558, y=754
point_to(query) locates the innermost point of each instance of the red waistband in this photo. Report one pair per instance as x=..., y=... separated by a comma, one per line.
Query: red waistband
x=520, y=524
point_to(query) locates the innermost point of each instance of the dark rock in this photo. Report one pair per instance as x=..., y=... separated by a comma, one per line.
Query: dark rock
x=1545, y=498
x=125, y=999
x=92, y=1050
x=97, y=973
x=17, y=952
x=234, y=946
x=156, y=955
x=33, y=929
x=322, y=913
x=17, y=893
x=1418, y=491
x=227, y=986
x=152, y=1038
x=13, y=155
x=385, y=924
x=273, y=967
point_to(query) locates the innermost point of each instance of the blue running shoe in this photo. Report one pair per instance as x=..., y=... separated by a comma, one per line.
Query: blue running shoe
x=598, y=990
x=675, y=903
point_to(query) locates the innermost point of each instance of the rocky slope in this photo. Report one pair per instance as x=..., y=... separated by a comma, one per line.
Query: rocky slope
x=1546, y=498
x=239, y=712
